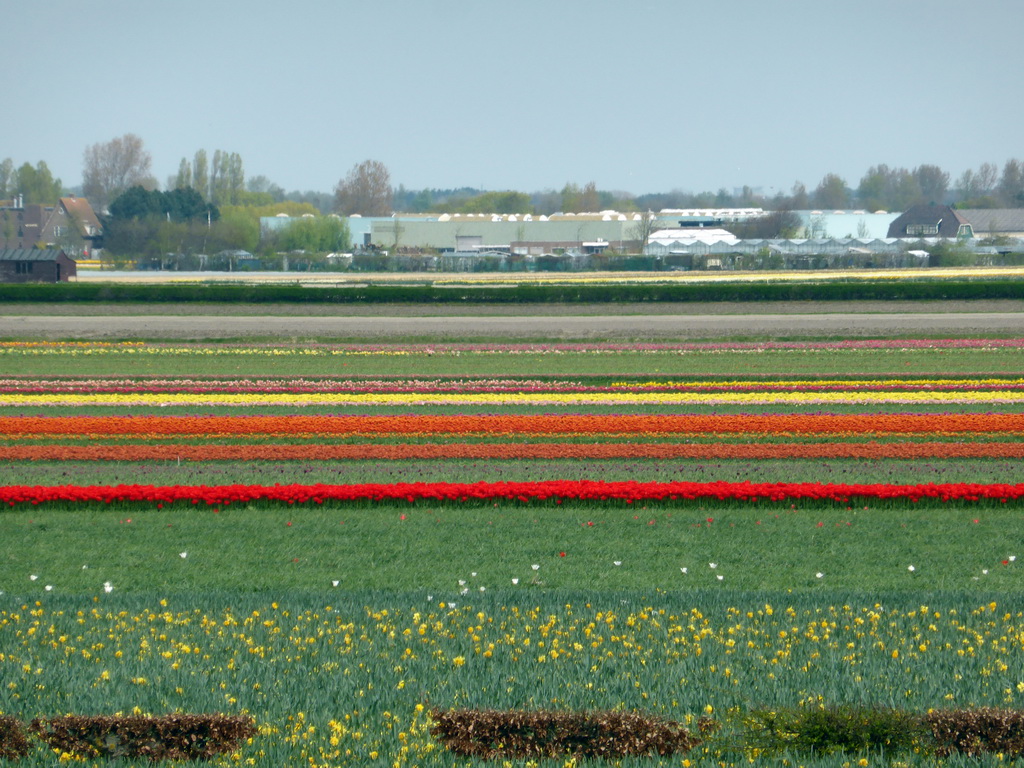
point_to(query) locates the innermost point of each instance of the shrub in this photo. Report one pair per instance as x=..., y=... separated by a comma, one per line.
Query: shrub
x=492, y=734
x=13, y=744
x=170, y=737
x=836, y=729
x=973, y=731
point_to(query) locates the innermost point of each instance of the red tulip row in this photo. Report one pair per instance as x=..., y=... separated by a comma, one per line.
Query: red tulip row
x=589, y=490
x=777, y=423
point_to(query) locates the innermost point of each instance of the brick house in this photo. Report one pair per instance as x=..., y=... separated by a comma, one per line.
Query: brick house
x=70, y=225
x=35, y=265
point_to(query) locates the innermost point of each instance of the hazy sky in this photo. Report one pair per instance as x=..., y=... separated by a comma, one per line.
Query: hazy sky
x=528, y=95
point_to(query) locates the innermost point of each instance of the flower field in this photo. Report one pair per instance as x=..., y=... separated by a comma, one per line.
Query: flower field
x=336, y=538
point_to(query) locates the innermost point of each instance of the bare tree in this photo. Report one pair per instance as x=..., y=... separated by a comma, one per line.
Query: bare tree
x=366, y=190
x=987, y=176
x=642, y=229
x=111, y=168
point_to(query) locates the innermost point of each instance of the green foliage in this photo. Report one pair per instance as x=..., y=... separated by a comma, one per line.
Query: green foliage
x=496, y=202
x=950, y=254
x=835, y=290
x=824, y=730
x=178, y=205
x=236, y=230
x=36, y=184
x=314, y=234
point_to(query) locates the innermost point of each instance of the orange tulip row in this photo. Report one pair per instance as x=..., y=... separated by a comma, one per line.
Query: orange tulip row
x=501, y=424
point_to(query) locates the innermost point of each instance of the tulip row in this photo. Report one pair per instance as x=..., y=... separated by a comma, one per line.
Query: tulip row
x=555, y=490
x=314, y=350
x=559, y=450
x=522, y=424
x=524, y=399
x=481, y=385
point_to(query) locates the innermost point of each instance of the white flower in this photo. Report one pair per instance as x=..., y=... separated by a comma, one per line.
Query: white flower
x=464, y=591
x=473, y=574
x=617, y=562
x=183, y=555
x=712, y=565
x=819, y=574
x=462, y=582
x=984, y=571
x=85, y=567
x=451, y=605
x=719, y=577
x=108, y=587
x=683, y=570
x=33, y=577
x=1011, y=558
x=515, y=581
x=911, y=568
x=535, y=567
x=335, y=583
x=483, y=589
x=49, y=587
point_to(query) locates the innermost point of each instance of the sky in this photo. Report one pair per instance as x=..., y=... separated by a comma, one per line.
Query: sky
x=643, y=96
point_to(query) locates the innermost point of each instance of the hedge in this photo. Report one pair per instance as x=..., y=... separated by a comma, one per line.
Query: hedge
x=852, y=290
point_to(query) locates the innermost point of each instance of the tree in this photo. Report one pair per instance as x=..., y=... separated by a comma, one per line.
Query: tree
x=873, y=191
x=7, y=178
x=315, y=234
x=643, y=228
x=1011, y=184
x=832, y=193
x=184, y=177
x=366, y=190
x=37, y=185
x=777, y=224
x=590, y=200
x=496, y=202
x=986, y=177
x=111, y=168
x=201, y=173
x=798, y=197
x=934, y=183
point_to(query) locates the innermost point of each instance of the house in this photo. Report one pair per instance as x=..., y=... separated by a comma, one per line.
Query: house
x=70, y=225
x=995, y=222
x=931, y=221
x=35, y=265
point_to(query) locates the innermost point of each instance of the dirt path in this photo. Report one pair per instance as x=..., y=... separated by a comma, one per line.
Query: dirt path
x=565, y=327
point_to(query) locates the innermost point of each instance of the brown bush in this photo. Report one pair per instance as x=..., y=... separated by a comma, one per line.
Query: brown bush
x=519, y=734
x=170, y=737
x=13, y=743
x=974, y=731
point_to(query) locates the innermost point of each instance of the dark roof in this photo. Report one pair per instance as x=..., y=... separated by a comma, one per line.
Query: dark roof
x=994, y=219
x=31, y=254
x=946, y=220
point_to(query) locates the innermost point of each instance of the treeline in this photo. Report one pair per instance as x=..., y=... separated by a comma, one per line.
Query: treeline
x=110, y=168
x=179, y=229
x=827, y=290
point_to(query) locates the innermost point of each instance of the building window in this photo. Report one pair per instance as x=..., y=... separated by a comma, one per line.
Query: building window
x=23, y=267
x=57, y=231
x=922, y=229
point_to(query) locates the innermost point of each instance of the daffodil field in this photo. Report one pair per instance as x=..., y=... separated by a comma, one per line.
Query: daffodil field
x=337, y=538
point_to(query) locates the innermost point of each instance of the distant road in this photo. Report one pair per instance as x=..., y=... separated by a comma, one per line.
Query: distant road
x=565, y=327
